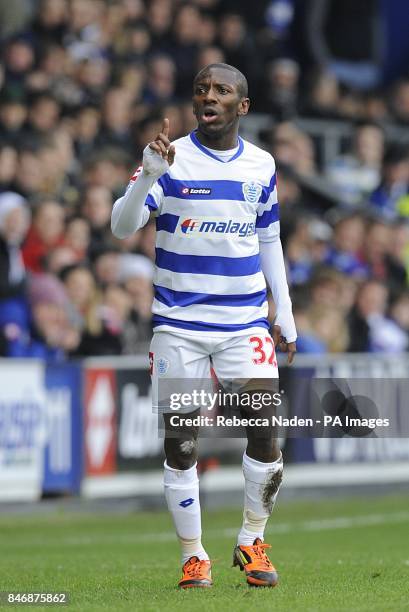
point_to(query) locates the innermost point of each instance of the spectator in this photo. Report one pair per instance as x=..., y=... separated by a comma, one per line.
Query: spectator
x=356, y=174
x=44, y=114
x=307, y=340
x=376, y=108
x=370, y=329
x=161, y=81
x=137, y=44
x=136, y=274
x=51, y=333
x=390, y=198
x=8, y=166
x=50, y=24
x=46, y=233
x=96, y=337
x=400, y=101
x=306, y=248
x=185, y=46
x=348, y=243
x=280, y=95
x=116, y=119
x=208, y=31
x=376, y=253
x=59, y=258
x=108, y=168
x=117, y=306
x=329, y=326
x=399, y=311
x=399, y=245
x=294, y=149
x=83, y=38
x=326, y=288
x=210, y=55
x=324, y=96
x=77, y=237
x=159, y=18
x=86, y=130
x=19, y=59
x=96, y=208
x=106, y=263
x=237, y=46
x=14, y=309
x=13, y=114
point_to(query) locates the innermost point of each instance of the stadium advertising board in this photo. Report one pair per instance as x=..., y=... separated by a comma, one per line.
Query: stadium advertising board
x=23, y=429
x=137, y=425
x=63, y=451
x=100, y=429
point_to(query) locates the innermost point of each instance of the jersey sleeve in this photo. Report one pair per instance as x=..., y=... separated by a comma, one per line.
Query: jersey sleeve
x=268, y=216
x=153, y=202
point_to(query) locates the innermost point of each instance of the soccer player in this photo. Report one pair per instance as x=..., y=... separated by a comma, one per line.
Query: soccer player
x=214, y=196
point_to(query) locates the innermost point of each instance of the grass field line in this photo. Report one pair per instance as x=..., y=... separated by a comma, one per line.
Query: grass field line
x=337, y=522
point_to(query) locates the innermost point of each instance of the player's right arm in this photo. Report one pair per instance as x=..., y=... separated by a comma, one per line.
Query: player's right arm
x=129, y=212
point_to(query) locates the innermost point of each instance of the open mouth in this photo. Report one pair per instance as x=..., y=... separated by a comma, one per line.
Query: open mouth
x=209, y=115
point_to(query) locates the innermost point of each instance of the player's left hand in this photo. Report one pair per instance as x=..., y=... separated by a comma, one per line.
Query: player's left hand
x=281, y=343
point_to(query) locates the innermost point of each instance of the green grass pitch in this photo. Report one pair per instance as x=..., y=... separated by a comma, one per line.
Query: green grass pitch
x=338, y=555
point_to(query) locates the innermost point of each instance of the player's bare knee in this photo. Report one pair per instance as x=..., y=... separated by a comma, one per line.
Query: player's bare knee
x=187, y=447
x=264, y=449
x=181, y=454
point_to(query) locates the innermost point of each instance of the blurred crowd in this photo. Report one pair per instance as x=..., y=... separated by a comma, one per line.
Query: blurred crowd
x=85, y=84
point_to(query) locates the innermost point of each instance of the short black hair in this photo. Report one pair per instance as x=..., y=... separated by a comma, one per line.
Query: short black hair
x=242, y=85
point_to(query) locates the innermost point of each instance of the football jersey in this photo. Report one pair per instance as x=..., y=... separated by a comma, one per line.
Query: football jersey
x=210, y=214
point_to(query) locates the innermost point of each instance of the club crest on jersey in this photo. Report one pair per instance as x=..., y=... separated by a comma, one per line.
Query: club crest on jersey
x=252, y=191
x=162, y=365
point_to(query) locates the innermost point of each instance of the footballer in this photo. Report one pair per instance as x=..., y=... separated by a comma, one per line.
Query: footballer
x=214, y=196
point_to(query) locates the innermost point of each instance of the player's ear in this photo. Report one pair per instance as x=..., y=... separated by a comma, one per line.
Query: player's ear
x=244, y=106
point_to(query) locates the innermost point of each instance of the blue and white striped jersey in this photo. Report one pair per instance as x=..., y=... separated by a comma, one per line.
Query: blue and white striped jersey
x=210, y=215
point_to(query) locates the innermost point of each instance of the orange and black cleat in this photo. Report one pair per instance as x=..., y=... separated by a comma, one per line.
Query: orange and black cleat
x=196, y=573
x=255, y=563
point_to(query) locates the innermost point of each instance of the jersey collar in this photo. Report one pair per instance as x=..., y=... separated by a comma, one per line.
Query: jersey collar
x=199, y=145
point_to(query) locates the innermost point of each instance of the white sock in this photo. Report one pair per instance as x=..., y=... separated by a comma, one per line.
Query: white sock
x=182, y=496
x=258, y=497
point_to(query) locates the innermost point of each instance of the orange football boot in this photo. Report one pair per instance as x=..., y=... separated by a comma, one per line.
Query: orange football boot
x=196, y=573
x=255, y=563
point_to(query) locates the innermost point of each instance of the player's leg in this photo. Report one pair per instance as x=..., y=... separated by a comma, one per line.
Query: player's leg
x=252, y=358
x=262, y=463
x=182, y=358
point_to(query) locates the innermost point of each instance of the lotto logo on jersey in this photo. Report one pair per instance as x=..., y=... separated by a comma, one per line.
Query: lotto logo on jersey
x=196, y=191
x=216, y=227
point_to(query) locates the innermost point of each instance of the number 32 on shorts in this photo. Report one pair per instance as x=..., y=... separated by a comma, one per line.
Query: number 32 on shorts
x=263, y=349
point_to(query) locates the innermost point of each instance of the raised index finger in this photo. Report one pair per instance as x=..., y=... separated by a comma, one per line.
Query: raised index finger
x=165, y=127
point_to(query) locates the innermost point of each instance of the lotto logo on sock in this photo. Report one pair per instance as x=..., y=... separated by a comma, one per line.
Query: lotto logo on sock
x=187, y=502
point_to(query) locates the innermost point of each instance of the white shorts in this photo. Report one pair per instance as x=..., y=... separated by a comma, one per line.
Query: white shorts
x=246, y=357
